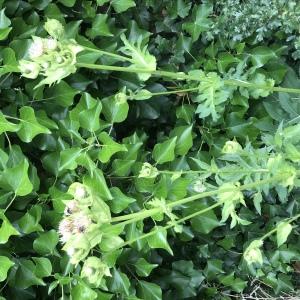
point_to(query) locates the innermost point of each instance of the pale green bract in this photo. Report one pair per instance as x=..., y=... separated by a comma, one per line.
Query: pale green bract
x=231, y=196
x=212, y=94
x=54, y=28
x=141, y=58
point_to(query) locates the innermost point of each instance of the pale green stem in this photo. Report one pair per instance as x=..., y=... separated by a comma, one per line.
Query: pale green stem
x=235, y=82
x=178, y=76
x=185, y=200
x=220, y=171
x=183, y=76
x=131, y=218
x=175, y=91
x=117, y=56
x=170, y=225
x=288, y=220
x=11, y=202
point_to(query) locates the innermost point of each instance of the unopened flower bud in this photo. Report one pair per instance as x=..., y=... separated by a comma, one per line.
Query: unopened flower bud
x=59, y=59
x=45, y=65
x=148, y=171
x=94, y=269
x=88, y=271
x=70, y=251
x=253, y=254
x=198, y=186
x=121, y=97
x=80, y=192
x=29, y=69
x=231, y=147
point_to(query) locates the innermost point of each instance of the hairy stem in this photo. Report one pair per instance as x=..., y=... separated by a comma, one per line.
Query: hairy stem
x=170, y=225
x=183, y=76
x=134, y=217
x=117, y=56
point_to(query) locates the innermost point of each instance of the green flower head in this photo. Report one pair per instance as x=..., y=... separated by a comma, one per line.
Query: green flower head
x=253, y=254
x=29, y=69
x=94, y=269
x=53, y=57
x=148, y=171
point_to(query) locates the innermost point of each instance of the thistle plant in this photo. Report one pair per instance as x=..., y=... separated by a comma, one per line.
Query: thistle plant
x=55, y=59
x=87, y=226
x=129, y=196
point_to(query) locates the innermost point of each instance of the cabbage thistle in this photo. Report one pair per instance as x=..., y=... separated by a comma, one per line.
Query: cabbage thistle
x=83, y=216
x=53, y=57
x=94, y=269
x=148, y=171
x=253, y=253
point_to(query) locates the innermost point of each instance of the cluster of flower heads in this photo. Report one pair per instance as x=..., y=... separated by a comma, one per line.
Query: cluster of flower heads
x=83, y=215
x=79, y=231
x=77, y=219
x=53, y=57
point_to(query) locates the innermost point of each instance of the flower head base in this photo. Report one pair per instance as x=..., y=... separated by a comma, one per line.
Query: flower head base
x=253, y=254
x=94, y=269
x=53, y=57
x=148, y=171
x=29, y=69
x=231, y=147
x=78, y=248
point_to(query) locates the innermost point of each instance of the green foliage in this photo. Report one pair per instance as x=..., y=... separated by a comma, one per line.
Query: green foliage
x=238, y=21
x=150, y=149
